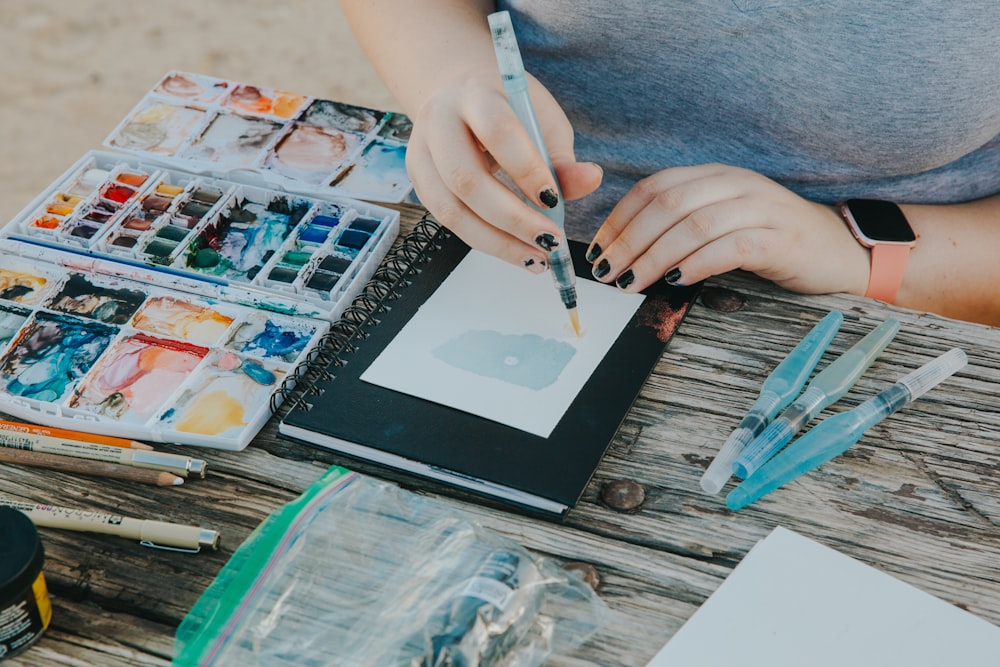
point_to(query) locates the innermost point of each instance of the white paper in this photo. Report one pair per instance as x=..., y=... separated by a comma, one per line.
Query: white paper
x=794, y=602
x=496, y=341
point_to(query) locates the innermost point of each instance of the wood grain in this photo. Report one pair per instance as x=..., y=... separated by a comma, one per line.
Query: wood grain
x=918, y=497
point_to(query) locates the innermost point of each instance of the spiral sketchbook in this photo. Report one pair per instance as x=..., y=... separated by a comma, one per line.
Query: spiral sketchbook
x=336, y=409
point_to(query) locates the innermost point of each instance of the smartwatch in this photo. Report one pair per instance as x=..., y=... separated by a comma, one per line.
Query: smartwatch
x=882, y=227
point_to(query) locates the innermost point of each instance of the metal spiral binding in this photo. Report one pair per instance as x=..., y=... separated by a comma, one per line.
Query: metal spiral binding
x=385, y=285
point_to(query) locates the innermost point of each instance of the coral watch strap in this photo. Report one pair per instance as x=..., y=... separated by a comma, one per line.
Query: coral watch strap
x=888, y=267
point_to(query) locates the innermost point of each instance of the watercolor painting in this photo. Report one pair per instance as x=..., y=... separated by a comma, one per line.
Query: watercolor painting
x=526, y=360
x=494, y=340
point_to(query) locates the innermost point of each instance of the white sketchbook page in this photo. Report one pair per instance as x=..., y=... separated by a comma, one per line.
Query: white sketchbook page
x=794, y=602
x=496, y=341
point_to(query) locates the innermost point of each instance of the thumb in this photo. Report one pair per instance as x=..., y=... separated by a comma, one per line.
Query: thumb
x=577, y=179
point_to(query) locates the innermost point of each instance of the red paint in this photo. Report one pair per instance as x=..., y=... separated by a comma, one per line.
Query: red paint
x=118, y=193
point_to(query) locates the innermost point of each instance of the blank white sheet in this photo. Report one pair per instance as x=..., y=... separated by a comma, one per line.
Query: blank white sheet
x=794, y=602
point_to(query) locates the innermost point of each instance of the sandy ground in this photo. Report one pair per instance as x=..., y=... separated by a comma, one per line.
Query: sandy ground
x=72, y=70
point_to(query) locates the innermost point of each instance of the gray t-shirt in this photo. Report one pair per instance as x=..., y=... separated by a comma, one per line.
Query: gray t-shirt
x=833, y=99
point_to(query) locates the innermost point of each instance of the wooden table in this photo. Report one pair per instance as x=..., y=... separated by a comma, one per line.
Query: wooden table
x=918, y=497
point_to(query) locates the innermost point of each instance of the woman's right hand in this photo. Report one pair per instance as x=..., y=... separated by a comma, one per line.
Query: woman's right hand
x=463, y=135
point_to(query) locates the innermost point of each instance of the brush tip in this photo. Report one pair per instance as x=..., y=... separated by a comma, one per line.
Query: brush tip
x=574, y=319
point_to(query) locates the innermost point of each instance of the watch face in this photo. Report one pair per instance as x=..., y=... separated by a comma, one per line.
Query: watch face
x=880, y=221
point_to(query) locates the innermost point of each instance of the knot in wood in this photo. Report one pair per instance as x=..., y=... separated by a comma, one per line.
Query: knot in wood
x=623, y=495
x=721, y=299
x=587, y=571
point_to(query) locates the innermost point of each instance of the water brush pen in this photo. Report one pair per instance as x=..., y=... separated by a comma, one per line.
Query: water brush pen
x=515, y=85
x=835, y=435
x=826, y=388
x=781, y=386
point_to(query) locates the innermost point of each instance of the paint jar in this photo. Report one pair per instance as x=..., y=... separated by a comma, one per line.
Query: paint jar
x=25, y=609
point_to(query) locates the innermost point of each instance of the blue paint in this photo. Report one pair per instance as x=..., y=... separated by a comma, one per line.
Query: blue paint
x=527, y=360
x=258, y=373
x=51, y=355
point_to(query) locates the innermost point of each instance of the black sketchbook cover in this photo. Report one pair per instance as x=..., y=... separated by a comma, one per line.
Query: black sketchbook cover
x=339, y=411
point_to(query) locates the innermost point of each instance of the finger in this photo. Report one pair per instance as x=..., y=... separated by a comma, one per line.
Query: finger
x=677, y=205
x=457, y=217
x=658, y=190
x=495, y=125
x=467, y=173
x=710, y=241
x=578, y=179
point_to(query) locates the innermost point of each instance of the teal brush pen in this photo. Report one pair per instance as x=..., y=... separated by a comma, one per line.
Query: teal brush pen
x=781, y=386
x=515, y=85
x=835, y=435
x=826, y=388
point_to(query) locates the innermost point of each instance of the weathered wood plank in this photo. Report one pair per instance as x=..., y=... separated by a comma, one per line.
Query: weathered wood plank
x=918, y=496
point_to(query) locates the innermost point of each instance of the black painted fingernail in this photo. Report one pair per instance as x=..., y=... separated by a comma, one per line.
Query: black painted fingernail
x=673, y=275
x=594, y=252
x=546, y=242
x=625, y=279
x=549, y=197
x=533, y=265
x=602, y=269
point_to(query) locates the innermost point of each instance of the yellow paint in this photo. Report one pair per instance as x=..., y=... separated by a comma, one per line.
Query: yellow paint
x=10, y=279
x=213, y=413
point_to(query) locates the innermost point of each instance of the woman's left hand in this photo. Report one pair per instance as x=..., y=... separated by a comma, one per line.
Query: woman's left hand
x=685, y=224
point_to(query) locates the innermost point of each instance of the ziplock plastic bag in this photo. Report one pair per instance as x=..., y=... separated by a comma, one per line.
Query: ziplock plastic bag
x=359, y=572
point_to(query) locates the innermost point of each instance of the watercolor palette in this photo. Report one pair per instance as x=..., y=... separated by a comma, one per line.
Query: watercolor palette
x=314, y=146
x=174, y=291
x=100, y=353
x=311, y=255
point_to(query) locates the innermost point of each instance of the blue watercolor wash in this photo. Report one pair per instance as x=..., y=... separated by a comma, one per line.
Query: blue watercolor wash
x=276, y=341
x=52, y=356
x=527, y=360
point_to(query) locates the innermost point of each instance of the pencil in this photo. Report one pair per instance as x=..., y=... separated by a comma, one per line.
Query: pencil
x=85, y=467
x=80, y=436
x=43, y=444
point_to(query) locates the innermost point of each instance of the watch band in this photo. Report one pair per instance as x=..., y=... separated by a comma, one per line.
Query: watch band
x=881, y=227
x=887, y=270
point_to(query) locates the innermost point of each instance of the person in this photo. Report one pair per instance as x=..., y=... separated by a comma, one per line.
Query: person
x=693, y=138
